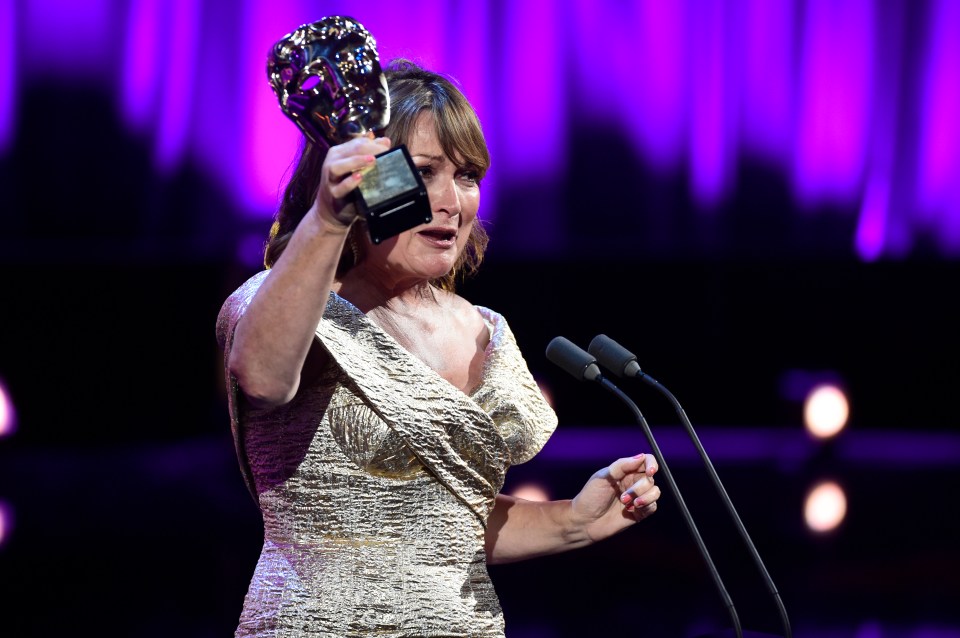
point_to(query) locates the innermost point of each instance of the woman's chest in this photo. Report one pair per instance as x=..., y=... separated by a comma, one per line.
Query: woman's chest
x=454, y=349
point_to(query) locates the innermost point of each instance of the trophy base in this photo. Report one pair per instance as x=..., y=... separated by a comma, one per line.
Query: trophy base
x=392, y=196
x=386, y=221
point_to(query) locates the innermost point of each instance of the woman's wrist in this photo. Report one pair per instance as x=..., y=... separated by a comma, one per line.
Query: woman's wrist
x=329, y=224
x=573, y=527
x=339, y=220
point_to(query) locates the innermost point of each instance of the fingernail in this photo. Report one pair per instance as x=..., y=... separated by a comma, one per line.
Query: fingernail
x=625, y=498
x=639, y=456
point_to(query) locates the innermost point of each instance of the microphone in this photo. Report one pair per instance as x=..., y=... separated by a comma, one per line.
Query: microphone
x=573, y=359
x=583, y=367
x=623, y=363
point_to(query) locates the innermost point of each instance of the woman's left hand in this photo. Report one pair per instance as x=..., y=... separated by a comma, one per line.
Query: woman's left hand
x=617, y=496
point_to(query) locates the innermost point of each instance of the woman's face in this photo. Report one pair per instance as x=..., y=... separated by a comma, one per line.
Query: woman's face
x=430, y=250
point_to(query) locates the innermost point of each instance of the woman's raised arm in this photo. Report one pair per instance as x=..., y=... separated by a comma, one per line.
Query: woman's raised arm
x=273, y=337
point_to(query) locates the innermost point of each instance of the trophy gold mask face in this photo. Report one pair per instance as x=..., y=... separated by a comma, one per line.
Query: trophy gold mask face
x=328, y=80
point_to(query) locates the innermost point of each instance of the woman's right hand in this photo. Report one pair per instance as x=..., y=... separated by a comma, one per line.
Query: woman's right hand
x=342, y=172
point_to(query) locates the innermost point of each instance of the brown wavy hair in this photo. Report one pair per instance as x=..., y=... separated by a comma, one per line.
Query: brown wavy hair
x=413, y=90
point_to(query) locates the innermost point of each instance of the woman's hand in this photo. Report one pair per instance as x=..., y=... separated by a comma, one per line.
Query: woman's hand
x=616, y=497
x=613, y=499
x=342, y=172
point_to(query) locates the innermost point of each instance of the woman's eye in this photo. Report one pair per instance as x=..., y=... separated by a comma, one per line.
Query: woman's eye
x=470, y=176
x=425, y=171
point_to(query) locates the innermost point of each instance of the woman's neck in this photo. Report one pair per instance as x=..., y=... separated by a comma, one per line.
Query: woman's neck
x=369, y=290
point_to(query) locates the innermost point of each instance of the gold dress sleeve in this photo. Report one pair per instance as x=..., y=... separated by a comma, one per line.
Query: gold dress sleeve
x=375, y=484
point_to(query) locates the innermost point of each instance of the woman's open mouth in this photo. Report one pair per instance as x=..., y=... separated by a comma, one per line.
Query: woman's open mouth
x=439, y=237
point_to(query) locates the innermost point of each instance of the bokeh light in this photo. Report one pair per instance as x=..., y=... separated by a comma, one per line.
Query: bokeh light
x=826, y=410
x=8, y=420
x=825, y=507
x=531, y=492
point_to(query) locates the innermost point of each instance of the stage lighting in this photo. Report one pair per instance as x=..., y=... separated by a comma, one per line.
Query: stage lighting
x=7, y=414
x=825, y=507
x=531, y=492
x=825, y=411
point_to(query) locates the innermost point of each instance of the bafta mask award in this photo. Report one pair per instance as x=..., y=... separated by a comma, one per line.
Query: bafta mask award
x=328, y=80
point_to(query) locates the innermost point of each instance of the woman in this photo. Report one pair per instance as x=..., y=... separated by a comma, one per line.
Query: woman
x=375, y=412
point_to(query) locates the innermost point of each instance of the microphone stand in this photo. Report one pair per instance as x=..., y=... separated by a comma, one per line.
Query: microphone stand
x=582, y=366
x=615, y=357
x=684, y=510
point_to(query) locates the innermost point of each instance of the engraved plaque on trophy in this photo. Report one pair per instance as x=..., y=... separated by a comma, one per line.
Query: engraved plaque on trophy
x=328, y=80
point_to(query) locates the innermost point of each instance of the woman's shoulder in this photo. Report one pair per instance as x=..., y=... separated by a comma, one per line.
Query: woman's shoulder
x=454, y=301
x=468, y=311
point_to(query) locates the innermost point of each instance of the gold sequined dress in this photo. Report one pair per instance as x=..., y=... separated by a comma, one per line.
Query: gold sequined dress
x=376, y=481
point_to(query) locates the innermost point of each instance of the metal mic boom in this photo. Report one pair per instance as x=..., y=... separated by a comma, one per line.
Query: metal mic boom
x=614, y=357
x=583, y=367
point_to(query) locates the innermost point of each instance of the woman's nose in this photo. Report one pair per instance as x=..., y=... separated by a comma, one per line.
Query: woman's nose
x=446, y=198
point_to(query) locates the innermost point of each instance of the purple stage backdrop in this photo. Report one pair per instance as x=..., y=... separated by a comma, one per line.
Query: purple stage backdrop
x=853, y=102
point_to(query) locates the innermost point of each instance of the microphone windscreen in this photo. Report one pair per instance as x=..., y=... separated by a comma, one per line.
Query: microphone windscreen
x=612, y=355
x=572, y=358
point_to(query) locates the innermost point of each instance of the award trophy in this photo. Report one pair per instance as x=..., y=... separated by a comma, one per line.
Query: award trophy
x=328, y=80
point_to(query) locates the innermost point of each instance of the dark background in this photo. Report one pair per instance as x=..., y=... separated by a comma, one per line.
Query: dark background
x=130, y=517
